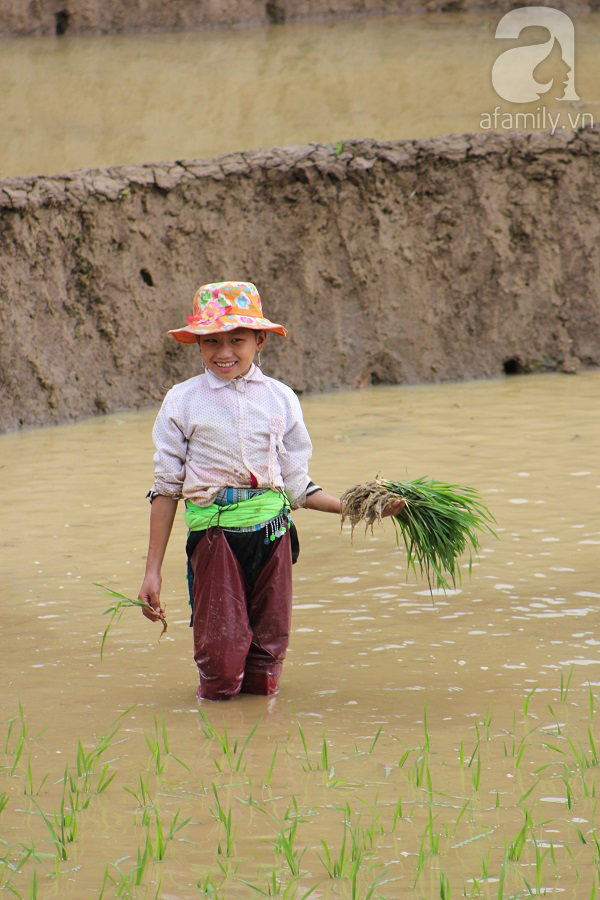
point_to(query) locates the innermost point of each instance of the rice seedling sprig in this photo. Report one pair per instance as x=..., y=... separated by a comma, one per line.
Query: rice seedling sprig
x=438, y=523
x=118, y=608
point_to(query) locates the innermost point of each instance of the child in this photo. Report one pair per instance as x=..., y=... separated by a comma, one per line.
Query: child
x=232, y=442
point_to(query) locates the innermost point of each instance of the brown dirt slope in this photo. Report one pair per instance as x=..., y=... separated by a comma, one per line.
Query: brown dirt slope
x=411, y=261
x=110, y=16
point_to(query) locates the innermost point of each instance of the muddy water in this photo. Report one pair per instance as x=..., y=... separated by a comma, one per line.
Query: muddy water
x=76, y=102
x=370, y=650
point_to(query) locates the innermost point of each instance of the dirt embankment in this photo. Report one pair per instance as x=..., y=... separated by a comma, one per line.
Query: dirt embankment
x=411, y=261
x=111, y=16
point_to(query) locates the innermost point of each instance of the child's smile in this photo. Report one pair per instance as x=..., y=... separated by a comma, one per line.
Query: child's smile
x=229, y=354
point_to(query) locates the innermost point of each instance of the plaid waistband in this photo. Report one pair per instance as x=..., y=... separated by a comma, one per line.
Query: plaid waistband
x=229, y=496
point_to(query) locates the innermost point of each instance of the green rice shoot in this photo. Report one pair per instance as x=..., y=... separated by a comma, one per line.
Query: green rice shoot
x=116, y=610
x=439, y=523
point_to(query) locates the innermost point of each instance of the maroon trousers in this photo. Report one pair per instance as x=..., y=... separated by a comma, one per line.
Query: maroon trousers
x=240, y=634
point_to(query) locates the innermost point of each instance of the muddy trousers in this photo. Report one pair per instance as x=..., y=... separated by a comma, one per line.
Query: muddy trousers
x=241, y=631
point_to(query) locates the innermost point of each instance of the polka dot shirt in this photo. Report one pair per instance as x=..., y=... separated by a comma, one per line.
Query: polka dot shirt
x=211, y=433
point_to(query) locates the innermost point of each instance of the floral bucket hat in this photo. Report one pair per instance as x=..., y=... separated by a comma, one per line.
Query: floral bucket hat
x=222, y=306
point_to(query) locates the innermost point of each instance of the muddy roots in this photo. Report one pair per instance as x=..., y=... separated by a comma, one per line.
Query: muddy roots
x=366, y=503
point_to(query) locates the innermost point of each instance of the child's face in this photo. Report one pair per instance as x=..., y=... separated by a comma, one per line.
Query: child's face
x=229, y=354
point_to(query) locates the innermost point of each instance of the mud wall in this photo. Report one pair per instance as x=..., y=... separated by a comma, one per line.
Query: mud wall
x=447, y=258
x=109, y=16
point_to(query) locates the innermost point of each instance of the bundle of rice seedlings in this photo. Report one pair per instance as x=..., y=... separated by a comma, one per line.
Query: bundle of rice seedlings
x=438, y=522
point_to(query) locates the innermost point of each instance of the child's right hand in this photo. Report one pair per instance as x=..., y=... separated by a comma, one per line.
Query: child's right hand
x=150, y=594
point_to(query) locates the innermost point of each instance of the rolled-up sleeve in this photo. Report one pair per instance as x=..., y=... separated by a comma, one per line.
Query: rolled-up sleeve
x=171, y=450
x=298, y=451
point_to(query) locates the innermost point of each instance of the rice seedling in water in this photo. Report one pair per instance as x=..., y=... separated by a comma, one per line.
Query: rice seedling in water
x=438, y=524
x=284, y=844
x=286, y=836
x=87, y=761
x=336, y=868
x=528, y=699
x=143, y=798
x=162, y=840
x=303, y=739
x=374, y=741
x=397, y=814
x=476, y=773
x=487, y=721
x=62, y=826
x=272, y=765
x=565, y=685
x=231, y=750
x=210, y=889
x=444, y=887
x=118, y=608
x=274, y=887
x=225, y=818
x=20, y=742
x=593, y=751
x=28, y=787
x=515, y=849
x=11, y=870
x=33, y=892
x=127, y=881
x=463, y=809
x=427, y=744
x=353, y=849
x=324, y=753
x=157, y=744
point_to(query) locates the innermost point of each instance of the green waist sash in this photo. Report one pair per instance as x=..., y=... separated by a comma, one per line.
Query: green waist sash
x=256, y=510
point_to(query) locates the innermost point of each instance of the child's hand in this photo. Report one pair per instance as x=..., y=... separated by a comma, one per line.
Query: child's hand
x=395, y=507
x=150, y=594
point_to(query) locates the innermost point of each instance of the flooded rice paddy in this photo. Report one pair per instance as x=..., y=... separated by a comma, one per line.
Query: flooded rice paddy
x=86, y=101
x=419, y=747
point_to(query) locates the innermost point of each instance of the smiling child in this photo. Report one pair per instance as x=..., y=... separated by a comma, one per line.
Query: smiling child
x=233, y=445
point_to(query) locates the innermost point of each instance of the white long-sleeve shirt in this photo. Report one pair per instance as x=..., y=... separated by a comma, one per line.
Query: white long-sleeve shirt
x=211, y=433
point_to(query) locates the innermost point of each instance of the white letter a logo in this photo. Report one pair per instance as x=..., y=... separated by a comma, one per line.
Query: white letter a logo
x=512, y=74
